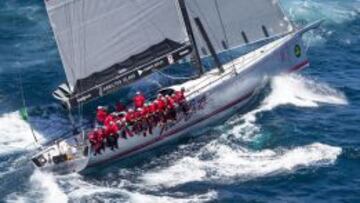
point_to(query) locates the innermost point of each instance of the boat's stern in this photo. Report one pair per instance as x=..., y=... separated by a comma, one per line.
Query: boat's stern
x=63, y=157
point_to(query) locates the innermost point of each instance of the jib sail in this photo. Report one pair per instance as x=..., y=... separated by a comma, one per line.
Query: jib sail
x=233, y=23
x=107, y=44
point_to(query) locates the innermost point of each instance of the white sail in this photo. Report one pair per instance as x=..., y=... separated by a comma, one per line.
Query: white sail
x=232, y=23
x=93, y=35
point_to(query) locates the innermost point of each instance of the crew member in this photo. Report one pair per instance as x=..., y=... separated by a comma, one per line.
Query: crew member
x=126, y=128
x=120, y=107
x=109, y=118
x=100, y=136
x=153, y=114
x=101, y=114
x=130, y=117
x=139, y=100
x=112, y=131
x=161, y=104
x=93, y=139
x=121, y=126
x=181, y=100
x=137, y=128
x=145, y=120
x=170, y=107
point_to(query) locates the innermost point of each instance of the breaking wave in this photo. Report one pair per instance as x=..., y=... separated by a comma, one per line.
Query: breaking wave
x=229, y=164
x=15, y=133
x=337, y=11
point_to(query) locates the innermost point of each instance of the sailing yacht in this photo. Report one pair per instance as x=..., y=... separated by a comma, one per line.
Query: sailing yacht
x=108, y=45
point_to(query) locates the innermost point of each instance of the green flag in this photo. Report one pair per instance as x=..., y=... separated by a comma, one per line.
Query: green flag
x=24, y=114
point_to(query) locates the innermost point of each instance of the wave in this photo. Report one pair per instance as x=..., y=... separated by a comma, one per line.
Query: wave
x=337, y=11
x=15, y=133
x=48, y=188
x=293, y=89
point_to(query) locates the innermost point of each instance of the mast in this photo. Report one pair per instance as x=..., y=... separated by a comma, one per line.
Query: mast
x=209, y=44
x=190, y=33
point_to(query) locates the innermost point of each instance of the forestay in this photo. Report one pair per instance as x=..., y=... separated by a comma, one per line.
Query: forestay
x=232, y=23
x=101, y=42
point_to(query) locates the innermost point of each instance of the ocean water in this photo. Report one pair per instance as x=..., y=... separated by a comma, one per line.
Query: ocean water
x=298, y=142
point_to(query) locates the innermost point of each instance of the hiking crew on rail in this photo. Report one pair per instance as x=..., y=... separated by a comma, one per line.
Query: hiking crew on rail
x=142, y=119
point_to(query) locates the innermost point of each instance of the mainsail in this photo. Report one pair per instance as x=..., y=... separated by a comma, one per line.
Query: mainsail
x=232, y=23
x=110, y=43
x=107, y=44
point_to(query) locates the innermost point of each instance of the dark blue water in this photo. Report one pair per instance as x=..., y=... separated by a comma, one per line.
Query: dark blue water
x=298, y=142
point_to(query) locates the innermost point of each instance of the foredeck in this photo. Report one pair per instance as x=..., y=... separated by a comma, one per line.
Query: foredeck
x=232, y=68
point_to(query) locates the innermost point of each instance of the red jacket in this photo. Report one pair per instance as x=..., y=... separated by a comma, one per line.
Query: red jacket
x=144, y=112
x=92, y=137
x=112, y=129
x=100, y=135
x=108, y=120
x=101, y=114
x=139, y=101
x=153, y=108
x=180, y=97
x=170, y=103
x=161, y=104
x=137, y=115
x=129, y=117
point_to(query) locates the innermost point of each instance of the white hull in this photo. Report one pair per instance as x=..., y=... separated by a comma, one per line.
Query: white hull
x=214, y=96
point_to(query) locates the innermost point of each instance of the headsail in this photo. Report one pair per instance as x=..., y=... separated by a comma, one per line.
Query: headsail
x=232, y=23
x=107, y=44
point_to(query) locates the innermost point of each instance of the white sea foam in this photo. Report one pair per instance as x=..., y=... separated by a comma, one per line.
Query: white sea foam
x=334, y=11
x=43, y=187
x=15, y=133
x=46, y=188
x=229, y=164
x=294, y=90
x=141, y=198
